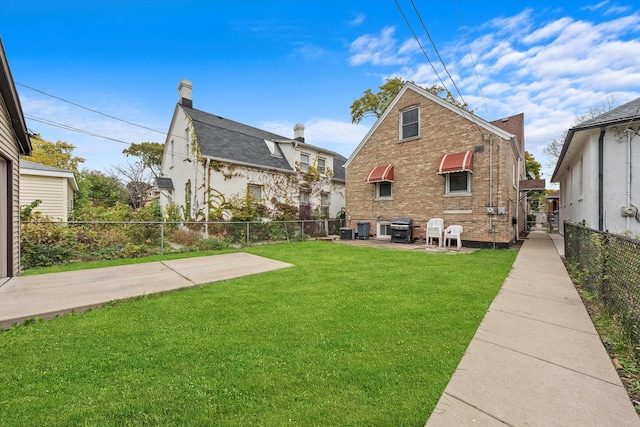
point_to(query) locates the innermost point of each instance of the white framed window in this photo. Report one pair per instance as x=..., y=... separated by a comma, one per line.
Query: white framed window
x=410, y=123
x=384, y=190
x=580, y=176
x=172, y=150
x=325, y=203
x=255, y=191
x=304, y=162
x=459, y=183
x=304, y=197
x=187, y=144
x=322, y=165
x=384, y=230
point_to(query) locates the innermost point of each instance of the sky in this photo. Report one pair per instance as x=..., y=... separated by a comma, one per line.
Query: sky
x=111, y=68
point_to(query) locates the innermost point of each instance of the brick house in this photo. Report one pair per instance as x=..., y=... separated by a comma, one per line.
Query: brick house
x=426, y=158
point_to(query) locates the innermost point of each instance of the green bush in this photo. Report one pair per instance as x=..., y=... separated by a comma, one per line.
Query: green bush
x=211, y=244
x=47, y=243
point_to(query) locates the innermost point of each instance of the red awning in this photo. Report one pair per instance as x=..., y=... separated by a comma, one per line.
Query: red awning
x=455, y=162
x=381, y=174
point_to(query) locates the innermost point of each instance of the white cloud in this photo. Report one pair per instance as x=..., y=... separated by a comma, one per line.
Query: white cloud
x=551, y=69
x=339, y=136
x=377, y=49
x=359, y=19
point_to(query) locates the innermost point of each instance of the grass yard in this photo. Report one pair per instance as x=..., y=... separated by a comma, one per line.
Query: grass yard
x=349, y=336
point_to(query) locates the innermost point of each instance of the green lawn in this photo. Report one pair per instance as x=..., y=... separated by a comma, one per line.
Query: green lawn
x=349, y=336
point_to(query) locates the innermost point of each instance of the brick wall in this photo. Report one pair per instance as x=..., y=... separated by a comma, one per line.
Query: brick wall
x=418, y=192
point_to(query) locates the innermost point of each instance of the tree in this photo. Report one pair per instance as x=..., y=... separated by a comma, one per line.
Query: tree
x=531, y=165
x=375, y=104
x=149, y=153
x=57, y=154
x=137, y=181
x=554, y=147
x=98, y=189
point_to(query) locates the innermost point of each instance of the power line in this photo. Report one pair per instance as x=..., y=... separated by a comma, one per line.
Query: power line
x=73, y=129
x=90, y=109
x=441, y=61
x=420, y=44
x=436, y=50
x=475, y=71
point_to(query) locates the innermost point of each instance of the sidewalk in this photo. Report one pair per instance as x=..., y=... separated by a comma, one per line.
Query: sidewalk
x=536, y=359
x=49, y=295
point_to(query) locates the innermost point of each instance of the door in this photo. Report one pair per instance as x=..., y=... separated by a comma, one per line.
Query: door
x=6, y=231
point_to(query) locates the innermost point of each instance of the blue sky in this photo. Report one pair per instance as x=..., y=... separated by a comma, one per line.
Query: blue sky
x=272, y=64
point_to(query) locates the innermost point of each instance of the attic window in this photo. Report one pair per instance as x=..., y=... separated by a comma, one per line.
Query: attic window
x=273, y=149
x=409, y=123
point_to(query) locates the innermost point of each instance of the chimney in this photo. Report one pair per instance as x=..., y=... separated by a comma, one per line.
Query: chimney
x=298, y=132
x=184, y=93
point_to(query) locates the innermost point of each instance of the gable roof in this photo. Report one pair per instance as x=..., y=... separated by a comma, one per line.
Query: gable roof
x=626, y=113
x=12, y=101
x=224, y=139
x=228, y=140
x=491, y=128
x=31, y=168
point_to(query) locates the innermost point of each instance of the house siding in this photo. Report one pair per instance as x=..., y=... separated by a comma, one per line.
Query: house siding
x=52, y=191
x=10, y=245
x=418, y=192
x=577, y=206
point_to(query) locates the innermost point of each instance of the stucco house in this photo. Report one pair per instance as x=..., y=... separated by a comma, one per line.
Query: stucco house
x=597, y=172
x=14, y=141
x=426, y=158
x=54, y=187
x=209, y=160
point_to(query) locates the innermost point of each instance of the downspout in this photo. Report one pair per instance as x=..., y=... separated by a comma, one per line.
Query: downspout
x=601, y=179
x=207, y=180
x=490, y=180
x=629, y=132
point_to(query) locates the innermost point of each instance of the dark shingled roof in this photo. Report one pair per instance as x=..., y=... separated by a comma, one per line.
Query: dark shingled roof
x=624, y=113
x=225, y=139
x=164, y=183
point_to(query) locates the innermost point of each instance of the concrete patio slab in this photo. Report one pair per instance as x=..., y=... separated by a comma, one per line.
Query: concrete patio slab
x=49, y=295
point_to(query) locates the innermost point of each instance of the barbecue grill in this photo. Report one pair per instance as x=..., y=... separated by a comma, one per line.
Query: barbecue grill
x=402, y=230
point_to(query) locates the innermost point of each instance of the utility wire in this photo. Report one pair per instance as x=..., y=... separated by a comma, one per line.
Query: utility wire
x=475, y=71
x=443, y=64
x=73, y=129
x=420, y=44
x=90, y=109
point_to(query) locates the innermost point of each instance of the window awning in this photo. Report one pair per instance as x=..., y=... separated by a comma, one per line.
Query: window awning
x=455, y=162
x=382, y=173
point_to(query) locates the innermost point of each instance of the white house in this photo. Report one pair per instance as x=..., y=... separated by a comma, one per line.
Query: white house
x=598, y=172
x=54, y=187
x=208, y=160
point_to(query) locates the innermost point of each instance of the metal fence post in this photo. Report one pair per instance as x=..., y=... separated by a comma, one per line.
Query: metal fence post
x=247, y=233
x=162, y=238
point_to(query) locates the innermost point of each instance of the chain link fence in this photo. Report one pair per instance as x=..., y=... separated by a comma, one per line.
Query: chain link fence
x=45, y=243
x=608, y=266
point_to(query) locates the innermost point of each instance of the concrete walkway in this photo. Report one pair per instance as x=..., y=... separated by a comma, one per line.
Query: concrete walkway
x=49, y=295
x=536, y=359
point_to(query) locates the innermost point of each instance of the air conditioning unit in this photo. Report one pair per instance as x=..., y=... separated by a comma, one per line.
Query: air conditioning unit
x=629, y=211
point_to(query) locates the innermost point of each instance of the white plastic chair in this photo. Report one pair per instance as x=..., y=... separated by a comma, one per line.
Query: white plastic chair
x=435, y=228
x=453, y=232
